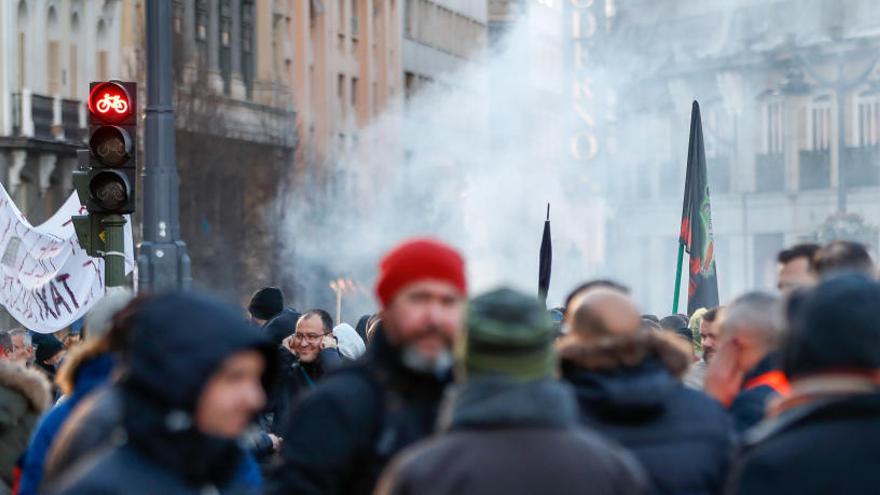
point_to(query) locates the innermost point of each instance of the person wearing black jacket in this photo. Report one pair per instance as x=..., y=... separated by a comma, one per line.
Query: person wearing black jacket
x=343, y=433
x=824, y=436
x=628, y=384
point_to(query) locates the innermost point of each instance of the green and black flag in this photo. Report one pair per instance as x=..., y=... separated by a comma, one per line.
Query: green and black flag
x=696, y=224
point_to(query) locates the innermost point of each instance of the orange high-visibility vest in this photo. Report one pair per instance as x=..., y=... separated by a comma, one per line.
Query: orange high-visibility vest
x=774, y=379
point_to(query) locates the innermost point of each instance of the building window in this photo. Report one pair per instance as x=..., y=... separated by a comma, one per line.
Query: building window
x=340, y=93
x=53, y=68
x=341, y=16
x=868, y=115
x=177, y=16
x=201, y=31
x=354, y=18
x=354, y=90
x=773, y=125
x=225, y=56
x=102, y=65
x=247, y=53
x=819, y=124
x=74, y=73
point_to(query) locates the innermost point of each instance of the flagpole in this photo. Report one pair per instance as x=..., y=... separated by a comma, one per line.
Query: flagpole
x=678, y=278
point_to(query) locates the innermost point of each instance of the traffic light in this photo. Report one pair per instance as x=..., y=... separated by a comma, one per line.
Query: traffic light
x=112, y=165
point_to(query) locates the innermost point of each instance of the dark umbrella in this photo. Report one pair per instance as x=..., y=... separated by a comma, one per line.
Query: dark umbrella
x=546, y=260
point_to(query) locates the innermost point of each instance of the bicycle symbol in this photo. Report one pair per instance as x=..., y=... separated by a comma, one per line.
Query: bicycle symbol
x=112, y=102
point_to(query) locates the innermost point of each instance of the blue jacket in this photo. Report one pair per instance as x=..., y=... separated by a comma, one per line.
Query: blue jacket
x=89, y=375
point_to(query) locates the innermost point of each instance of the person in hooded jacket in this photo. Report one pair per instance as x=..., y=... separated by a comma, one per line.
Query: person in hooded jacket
x=508, y=426
x=86, y=368
x=196, y=376
x=627, y=383
x=350, y=344
x=24, y=395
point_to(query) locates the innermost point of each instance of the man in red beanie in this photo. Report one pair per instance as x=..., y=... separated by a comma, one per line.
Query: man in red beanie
x=341, y=436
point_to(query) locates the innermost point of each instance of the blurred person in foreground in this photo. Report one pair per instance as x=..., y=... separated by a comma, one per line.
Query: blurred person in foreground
x=197, y=375
x=824, y=437
x=344, y=432
x=627, y=383
x=24, y=395
x=745, y=374
x=509, y=426
x=838, y=257
x=88, y=367
x=793, y=267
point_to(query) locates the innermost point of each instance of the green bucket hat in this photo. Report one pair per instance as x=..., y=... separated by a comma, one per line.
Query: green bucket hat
x=508, y=334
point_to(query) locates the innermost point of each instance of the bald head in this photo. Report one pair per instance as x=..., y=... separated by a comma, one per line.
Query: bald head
x=603, y=311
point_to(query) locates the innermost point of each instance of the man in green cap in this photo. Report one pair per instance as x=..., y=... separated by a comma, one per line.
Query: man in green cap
x=509, y=426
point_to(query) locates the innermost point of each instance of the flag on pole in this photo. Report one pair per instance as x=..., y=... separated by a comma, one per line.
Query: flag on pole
x=696, y=223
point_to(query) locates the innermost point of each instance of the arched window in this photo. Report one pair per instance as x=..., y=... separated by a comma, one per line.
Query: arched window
x=101, y=55
x=73, y=61
x=21, y=52
x=53, y=62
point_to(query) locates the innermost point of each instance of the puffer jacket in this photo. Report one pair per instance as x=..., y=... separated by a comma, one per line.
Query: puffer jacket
x=24, y=395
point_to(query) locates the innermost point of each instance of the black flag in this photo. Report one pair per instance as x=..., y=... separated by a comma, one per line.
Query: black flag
x=546, y=260
x=696, y=223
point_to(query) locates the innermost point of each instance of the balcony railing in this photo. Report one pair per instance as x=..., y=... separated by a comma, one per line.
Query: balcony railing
x=860, y=166
x=769, y=172
x=48, y=118
x=815, y=169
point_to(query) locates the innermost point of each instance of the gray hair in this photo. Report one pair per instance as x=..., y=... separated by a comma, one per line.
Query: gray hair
x=758, y=313
x=25, y=335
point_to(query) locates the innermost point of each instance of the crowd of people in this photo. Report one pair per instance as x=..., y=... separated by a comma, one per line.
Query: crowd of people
x=441, y=392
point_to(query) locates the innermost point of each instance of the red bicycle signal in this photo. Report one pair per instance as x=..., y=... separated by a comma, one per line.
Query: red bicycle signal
x=110, y=102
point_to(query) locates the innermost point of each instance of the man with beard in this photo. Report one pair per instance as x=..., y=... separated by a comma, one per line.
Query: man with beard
x=342, y=434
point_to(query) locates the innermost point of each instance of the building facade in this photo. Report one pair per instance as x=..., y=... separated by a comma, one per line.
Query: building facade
x=236, y=124
x=789, y=97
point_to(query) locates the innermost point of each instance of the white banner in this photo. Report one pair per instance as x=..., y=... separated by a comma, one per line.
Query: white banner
x=48, y=280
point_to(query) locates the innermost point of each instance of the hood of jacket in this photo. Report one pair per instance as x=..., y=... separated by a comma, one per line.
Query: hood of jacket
x=179, y=340
x=624, y=377
x=350, y=344
x=281, y=326
x=30, y=384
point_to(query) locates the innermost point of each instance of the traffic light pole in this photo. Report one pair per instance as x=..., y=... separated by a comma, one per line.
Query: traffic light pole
x=163, y=262
x=114, y=254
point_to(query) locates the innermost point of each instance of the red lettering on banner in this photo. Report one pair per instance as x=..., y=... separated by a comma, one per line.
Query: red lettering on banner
x=63, y=279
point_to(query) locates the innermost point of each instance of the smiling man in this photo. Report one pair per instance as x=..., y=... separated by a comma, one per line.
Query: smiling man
x=342, y=435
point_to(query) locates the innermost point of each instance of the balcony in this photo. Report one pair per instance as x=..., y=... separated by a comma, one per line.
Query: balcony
x=47, y=118
x=815, y=169
x=860, y=166
x=769, y=172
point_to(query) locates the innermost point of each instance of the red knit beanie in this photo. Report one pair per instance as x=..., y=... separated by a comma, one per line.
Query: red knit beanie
x=418, y=259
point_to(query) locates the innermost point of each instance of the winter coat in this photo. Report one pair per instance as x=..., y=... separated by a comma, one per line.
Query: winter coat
x=295, y=379
x=514, y=438
x=343, y=433
x=88, y=368
x=178, y=342
x=92, y=428
x=827, y=447
x=750, y=405
x=628, y=389
x=24, y=395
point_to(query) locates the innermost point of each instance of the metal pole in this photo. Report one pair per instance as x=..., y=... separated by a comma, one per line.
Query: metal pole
x=677, y=279
x=114, y=254
x=338, y=305
x=163, y=262
x=841, y=148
